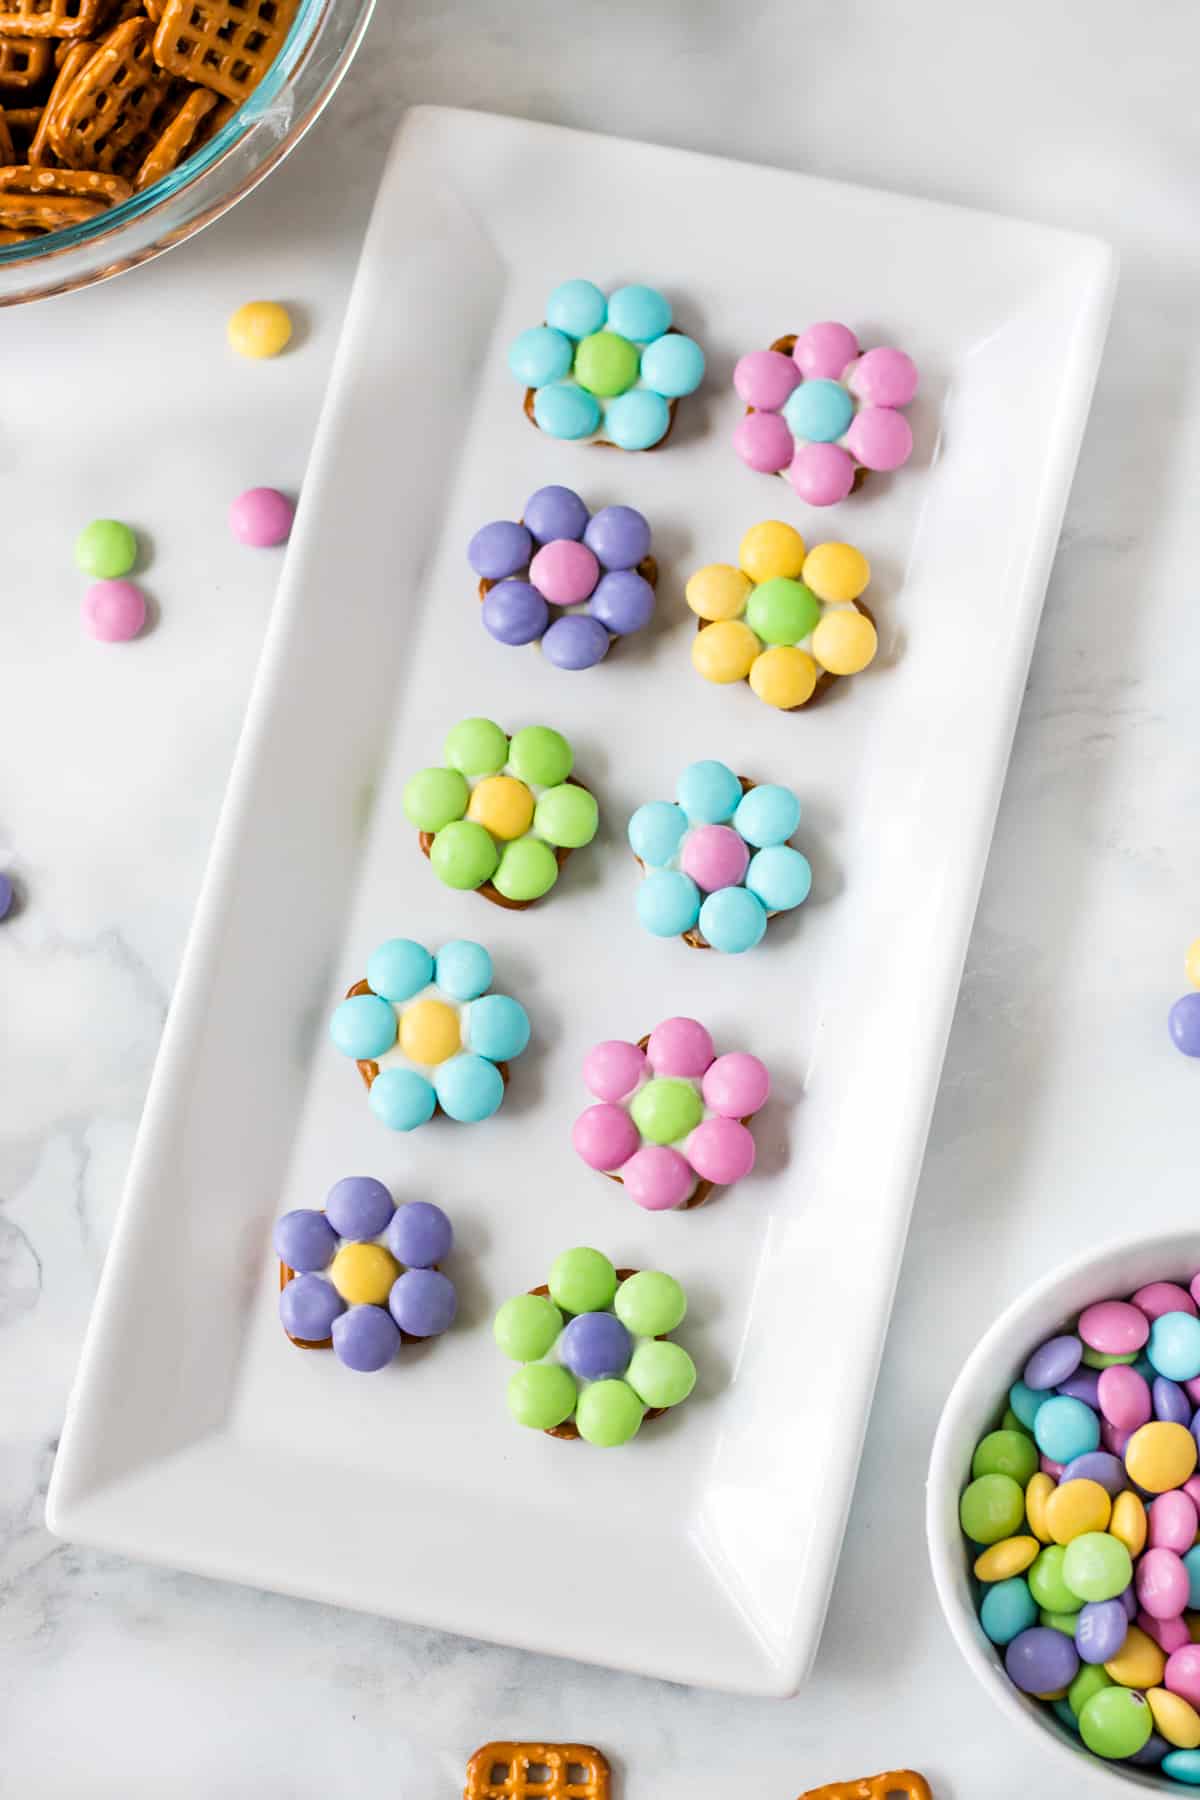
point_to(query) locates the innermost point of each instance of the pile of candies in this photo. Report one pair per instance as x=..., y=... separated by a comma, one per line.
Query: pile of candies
x=1183, y=1020
x=592, y=569
x=426, y=1033
x=784, y=618
x=823, y=412
x=668, y=1122
x=1084, y=1513
x=501, y=811
x=606, y=365
x=718, y=859
x=593, y=1350
x=363, y=1271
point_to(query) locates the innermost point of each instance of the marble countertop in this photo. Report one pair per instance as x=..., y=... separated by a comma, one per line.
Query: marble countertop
x=1064, y=1113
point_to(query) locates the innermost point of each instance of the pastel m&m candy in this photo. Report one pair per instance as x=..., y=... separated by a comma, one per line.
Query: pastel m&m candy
x=261, y=517
x=259, y=329
x=114, y=611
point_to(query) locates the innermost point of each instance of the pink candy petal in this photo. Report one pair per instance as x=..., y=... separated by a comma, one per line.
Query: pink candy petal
x=822, y=474
x=657, y=1178
x=721, y=1150
x=605, y=1136
x=680, y=1047
x=763, y=442
x=736, y=1085
x=825, y=350
x=765, y=378
x=883, y=378
x=613, y=1069
x=880, y=438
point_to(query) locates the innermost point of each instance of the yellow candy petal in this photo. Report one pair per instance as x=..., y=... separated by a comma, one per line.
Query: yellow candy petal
x=1076, y=1507
x=1174, y=1719
x=429, y=1032
x=363, y=1274
x=1139, y=1663
x=844, y=642
x=1128, y=1522
x=836, y=572
x=784, y=676
x=725, y=651
x=1037, y=1493
x=259, y=328
x=718, y=591
x=1011, y=1556
x=771, y=549
x=503, y=805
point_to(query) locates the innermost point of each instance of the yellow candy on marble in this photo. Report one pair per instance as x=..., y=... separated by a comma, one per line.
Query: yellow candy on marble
x=1139, y=1663
x=363, y=1274
x=844, y=641
x=429, y=1032
x=1075, y=1507
x=1174, y=1718
x=718, y=591
x=1160, y=1456
x=725, y=651
x=1011, y=1556
x=1128, y=1522
x=1192, y=963
x=771, y=549
x=260, y=328
x=1037, y=1493
x=836, y=572
x=502, y=805
x=784, y=676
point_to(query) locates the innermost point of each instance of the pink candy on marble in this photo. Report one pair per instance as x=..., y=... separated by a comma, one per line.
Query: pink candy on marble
x=564, y=572
x=114, y=611
x=261, y=517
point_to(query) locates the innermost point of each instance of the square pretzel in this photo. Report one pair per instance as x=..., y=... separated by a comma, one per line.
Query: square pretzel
x=115, y=108
x=24, y=63
x=226, y=45
x=50, y=18
x=517, y=1771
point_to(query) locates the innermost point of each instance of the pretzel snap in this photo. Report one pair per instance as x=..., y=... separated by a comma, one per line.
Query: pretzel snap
x=505, y=1771
x=896, y=1784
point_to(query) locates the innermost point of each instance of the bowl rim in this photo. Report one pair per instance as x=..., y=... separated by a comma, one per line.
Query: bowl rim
x=944, y=1478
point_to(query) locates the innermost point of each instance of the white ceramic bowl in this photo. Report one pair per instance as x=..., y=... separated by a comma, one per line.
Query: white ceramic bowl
x=976, y=1402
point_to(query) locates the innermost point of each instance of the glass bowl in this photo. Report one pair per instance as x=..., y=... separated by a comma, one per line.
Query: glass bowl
x=318, y=51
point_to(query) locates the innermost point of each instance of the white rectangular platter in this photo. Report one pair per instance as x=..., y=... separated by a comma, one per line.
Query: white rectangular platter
x=705, y=1550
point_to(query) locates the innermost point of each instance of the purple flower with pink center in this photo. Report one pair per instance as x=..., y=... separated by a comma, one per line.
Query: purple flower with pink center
x=567, y=579
x=822, y=412
x=670, y=1116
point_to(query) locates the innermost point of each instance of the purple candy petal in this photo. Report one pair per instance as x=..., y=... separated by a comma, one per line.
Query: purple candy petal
x=575, y=642
x=365, y=1338
x=514, y=612
x=359, y=1207
x=305, y=1240
x=423, y=1302
x=420, y=1235
x=555, y=512
x=500, y=549
x=623, y=601
x=596, y=1346
x=618, y=537
x=1053, y=1362
x=308, y=1307
x=1101, y=1466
